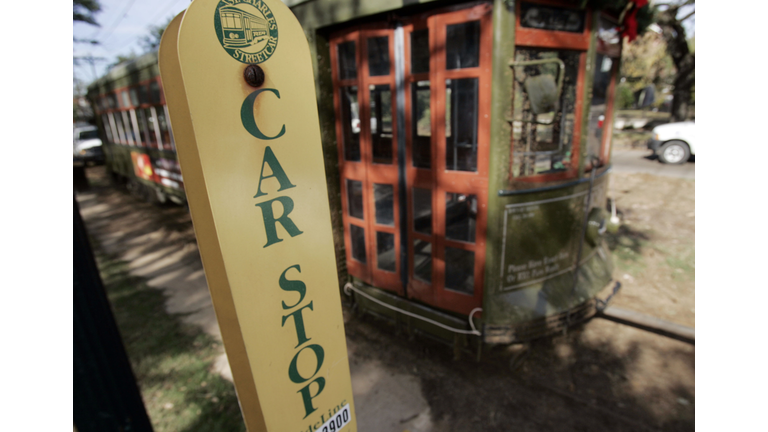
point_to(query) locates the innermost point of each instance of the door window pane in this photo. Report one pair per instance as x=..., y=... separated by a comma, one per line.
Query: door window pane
x=460, y=270
x=385, y=251
x=542, y=127
x=462, y=45
x=347, y=64
x=461, y=124
x=381, y=123
x=422, y=210
x=355, y=198
x=357, y=240
x=460, y=217
x=420, y=51
x=422, y=260
x=384, y=196
x=378, y=56
x=350, y=120
x=421, y=124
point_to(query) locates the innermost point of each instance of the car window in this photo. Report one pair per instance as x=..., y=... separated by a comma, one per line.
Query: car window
x=89, y=134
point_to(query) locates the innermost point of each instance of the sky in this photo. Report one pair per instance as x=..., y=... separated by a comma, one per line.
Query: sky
x=122, y=24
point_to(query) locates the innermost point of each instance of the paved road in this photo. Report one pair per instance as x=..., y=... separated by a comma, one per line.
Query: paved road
x=642, y=161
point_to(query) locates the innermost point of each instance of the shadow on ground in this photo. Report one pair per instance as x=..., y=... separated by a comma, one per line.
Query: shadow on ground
x=172, y=360
x=601, y=376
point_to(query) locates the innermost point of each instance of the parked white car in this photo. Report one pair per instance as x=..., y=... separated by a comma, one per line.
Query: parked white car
x=673, y=143
x=87, y=146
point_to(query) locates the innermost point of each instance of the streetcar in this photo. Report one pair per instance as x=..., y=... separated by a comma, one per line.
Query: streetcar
x=240, y=28
x=467, y=147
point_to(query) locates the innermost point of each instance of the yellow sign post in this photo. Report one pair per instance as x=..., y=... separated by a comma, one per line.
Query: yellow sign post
x=252, y=163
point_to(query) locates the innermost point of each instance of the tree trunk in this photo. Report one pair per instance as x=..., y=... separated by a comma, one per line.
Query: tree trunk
x=677, y=47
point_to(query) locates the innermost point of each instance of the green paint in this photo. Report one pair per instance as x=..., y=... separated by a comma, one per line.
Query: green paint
x=293, y=371
x=589, y=79
x=277, y=172
x=298, y=320
x=270, y=221
x=293, y=285
x=246, y=115
x=307, y=397
x=501, y=135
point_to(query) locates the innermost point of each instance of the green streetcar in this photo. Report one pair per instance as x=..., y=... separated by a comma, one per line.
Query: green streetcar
x=467, y=152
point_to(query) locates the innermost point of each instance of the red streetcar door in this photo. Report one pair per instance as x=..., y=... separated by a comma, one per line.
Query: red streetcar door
x=443, y=87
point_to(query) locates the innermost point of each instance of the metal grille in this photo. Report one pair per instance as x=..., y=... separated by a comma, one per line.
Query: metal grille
x=555, y=323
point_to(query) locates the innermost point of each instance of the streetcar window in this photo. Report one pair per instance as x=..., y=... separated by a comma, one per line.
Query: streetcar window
x=460, y=270
x=154, y=92
x=151, y=125
x=126, y=101
x=422, y=210
x=597, y=110
x=107, y=127
x=134, y=97
x=143, y=131
x=422, y=260
x=381, y=123
x=551, y=18
x=355, y=198
x=461, y=124
x=385, y=251
x=357, y=240
x=350, y=123
x=421, y=125
x=163, y=125
x=460, y=217
x=347, y=63
x=378, y=56
x=112, y=100
x=543, y=129
x=143, y=97
x=420, y=51
x=120, y=127
x=384, y=201
x=462, y=45
x=129, y=133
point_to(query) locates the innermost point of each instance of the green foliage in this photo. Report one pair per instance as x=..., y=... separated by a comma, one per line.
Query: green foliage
x=122, y=58
x=625, y=97
x=645, y=15
x=151, y=42
x=83, y=10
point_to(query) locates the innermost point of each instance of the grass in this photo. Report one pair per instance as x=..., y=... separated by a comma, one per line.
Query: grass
x=171, y=360
x=627, y=245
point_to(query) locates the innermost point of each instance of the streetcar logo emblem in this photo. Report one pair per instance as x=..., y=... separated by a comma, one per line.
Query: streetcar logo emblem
x=246, y=29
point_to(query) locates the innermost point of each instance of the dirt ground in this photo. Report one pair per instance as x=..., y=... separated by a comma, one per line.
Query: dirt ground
x=601, y=376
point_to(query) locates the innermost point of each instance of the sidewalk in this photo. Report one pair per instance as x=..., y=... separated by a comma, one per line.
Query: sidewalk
x=158, y=245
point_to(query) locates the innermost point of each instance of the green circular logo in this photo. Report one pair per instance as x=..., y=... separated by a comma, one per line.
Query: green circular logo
x=246, y=29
